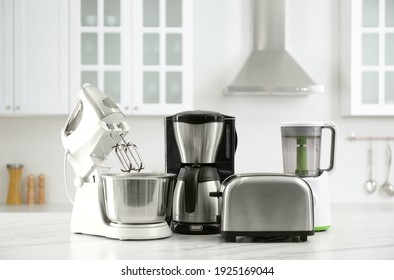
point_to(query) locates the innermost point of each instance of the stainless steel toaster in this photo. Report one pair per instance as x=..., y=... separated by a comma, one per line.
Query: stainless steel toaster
x=265, y=205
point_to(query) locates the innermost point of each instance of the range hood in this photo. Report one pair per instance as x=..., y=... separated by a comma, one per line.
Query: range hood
x=270, y=69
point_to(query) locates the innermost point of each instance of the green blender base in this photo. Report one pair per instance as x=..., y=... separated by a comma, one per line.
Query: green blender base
x=322, y=228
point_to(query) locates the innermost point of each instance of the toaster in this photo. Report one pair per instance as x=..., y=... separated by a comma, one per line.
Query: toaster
x=265, y=205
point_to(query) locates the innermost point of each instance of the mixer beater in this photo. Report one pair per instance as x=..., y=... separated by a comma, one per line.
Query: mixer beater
x=127, y=156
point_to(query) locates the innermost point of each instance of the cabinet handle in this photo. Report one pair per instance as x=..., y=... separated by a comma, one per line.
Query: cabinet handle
x=126, y=108
x=17, y=107
x=8, y=107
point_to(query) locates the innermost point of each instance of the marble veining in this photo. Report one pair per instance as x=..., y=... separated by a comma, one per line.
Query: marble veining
x=358, y=232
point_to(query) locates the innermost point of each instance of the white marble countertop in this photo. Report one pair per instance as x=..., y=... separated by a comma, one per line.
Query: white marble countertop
x=358, y=232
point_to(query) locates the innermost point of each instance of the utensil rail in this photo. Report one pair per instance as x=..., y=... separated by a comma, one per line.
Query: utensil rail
x=352, y=137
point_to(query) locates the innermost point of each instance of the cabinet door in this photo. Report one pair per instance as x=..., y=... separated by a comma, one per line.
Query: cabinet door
x=40, y=57
x=100, y=32
x=368, y=57
x=163, y=56
x=138, y=52
x=6, y=57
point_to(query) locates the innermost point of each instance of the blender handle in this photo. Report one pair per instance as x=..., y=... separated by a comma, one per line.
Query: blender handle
x=332, y=151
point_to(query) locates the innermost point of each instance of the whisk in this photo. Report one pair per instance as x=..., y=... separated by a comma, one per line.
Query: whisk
x=126, y=155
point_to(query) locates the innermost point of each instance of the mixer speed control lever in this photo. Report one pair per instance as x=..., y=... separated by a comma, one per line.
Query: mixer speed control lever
x=78, y=181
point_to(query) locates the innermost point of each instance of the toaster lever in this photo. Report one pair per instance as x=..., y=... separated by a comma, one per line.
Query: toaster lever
x=215, y=194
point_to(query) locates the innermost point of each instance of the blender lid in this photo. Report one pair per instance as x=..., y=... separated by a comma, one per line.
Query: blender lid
x=302, y=129
x=311, y=129
x=307, y=124
x=198, y=117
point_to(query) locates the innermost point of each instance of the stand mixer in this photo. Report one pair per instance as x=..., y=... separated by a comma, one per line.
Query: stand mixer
x=95, y=128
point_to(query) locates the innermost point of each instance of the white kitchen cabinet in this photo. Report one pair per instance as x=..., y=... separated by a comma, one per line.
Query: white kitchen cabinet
x=163, y=56
x=6, y=56
x=138, y=52
x=367, y=76
x=100, y=40
x=34, y=68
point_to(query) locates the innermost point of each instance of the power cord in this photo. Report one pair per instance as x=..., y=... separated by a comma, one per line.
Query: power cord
x=66, y=154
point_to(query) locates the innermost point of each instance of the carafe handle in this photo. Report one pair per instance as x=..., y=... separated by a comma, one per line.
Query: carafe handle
x=332, y=128
x=191, y=185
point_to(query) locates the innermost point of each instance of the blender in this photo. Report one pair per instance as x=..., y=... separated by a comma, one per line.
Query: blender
x=200, y=148
x=301, y=144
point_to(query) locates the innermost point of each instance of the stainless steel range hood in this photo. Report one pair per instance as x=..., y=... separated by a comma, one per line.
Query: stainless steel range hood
x=270, y=69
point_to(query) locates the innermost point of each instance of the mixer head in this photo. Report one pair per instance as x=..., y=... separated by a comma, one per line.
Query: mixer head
x=95, y=128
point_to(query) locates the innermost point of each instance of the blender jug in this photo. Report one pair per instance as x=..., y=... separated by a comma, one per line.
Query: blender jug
x=301, y=144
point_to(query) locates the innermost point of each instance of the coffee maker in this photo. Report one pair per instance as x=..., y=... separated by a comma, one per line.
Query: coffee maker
x=200, y=148
x=301, y=144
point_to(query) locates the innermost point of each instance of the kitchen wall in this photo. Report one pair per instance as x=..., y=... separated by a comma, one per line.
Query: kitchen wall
x=222, y=43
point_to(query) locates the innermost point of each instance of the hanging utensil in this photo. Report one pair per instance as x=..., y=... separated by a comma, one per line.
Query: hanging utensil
x=387, y=186
x=370, y=184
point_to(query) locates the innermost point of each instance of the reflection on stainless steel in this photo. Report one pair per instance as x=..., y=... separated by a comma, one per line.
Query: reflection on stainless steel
x=206, y=209
x=142, y=198
x=258, y=204
x=198, y=142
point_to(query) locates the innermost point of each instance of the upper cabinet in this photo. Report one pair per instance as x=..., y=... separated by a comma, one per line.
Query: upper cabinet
x=367, y=62
x=33, y=57
x=138, y=52
x=6, y=56
x=100, y=43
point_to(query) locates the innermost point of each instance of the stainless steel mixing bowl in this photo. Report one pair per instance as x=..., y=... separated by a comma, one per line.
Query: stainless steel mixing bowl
x=138, y=198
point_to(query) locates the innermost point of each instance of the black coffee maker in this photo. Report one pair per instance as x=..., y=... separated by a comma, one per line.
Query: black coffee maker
x=200, y=148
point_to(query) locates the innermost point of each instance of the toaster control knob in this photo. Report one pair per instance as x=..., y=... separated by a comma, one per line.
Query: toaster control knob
x=196, y=227
x=215, y=194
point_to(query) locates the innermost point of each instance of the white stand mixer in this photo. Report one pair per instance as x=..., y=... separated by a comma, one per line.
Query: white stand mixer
x=96, y=127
